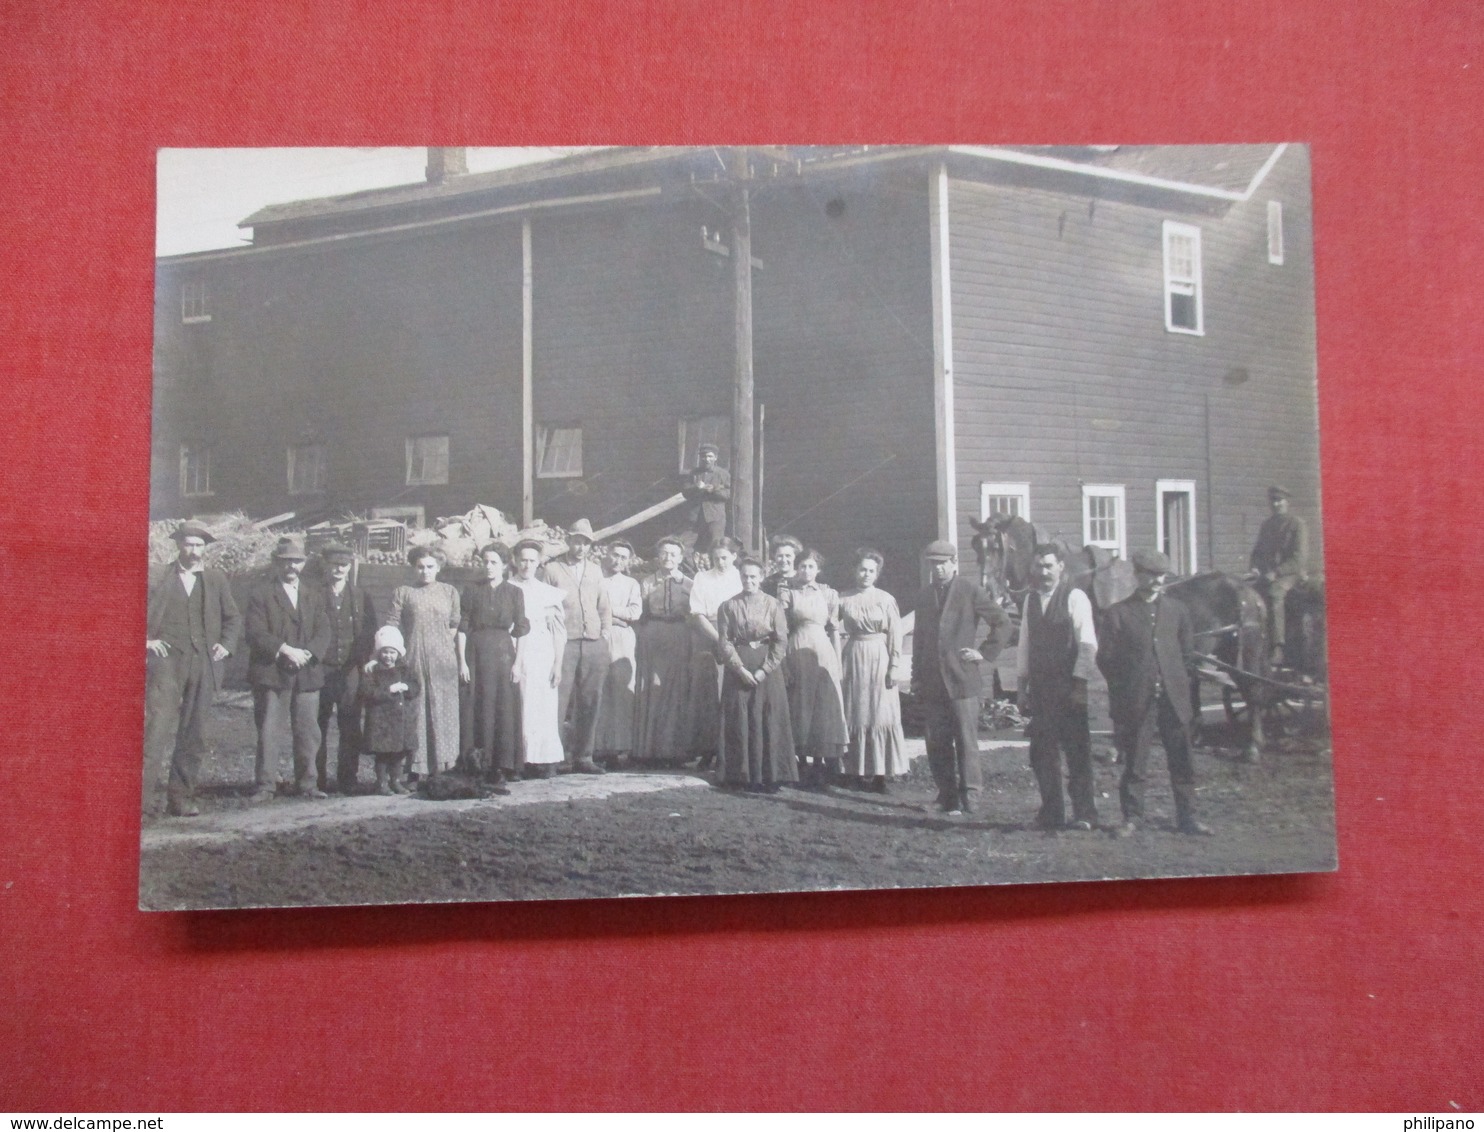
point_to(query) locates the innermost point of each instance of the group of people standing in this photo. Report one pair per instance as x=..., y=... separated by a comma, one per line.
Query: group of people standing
x=766, y=675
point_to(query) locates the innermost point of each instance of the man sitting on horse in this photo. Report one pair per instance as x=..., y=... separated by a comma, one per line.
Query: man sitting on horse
x=1278, y=560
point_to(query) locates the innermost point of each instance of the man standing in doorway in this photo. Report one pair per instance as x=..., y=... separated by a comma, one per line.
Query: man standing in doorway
x=1279, y=559
x=586, y=657
x=192, y=625
x=946, y=650
x=352, y=630
x=1146, y=653
x=708, y=488
x=1057, y=656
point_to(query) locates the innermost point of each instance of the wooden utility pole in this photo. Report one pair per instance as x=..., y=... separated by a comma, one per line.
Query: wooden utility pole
x=742, y=392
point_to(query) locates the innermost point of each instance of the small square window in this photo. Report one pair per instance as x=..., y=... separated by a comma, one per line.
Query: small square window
x=1182, y=247
x=308, y=468
x=558, y=451
x=1275, y=232
x=696, y=431
x=1102, y=517
x=1004, y=499
x=427, y=460
x=193, y=301
x=195, y=469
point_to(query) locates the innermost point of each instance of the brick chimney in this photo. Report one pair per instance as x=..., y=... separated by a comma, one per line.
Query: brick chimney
x=445, y=162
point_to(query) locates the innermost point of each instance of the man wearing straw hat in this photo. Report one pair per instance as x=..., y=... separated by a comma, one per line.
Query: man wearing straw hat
x=192, y=625
x=288, y=633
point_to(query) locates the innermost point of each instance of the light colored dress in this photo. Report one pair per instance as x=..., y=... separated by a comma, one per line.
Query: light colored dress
x=873, y=712
x=546, y=610
x=662, y=716
x=708, y=590
x=816, y=702
x=427, y=616
x=614, y=731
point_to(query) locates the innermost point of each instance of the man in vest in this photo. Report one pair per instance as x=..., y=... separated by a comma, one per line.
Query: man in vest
x=1278, y=559
x=288, y=633
x=1058, y=652
x=946, y=649
x=192, y=625
x=587, y=657
x=1147, y=649
x=352, y=629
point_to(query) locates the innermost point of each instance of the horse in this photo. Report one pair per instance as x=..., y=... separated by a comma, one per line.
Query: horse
x=1006, y=549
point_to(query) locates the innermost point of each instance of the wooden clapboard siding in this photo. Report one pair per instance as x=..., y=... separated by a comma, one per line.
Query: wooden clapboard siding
x=1065, y=374
x=844, y=364
x=358, y=347
x=633, y=332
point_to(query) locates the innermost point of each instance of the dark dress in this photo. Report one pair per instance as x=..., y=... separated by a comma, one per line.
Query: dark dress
x=393, y=724
x=489, y=717
x=757, y=744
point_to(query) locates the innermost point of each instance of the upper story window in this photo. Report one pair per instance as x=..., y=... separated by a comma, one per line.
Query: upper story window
x=427, y=460
x=1275, y=231
x=1004, y=499
x=558, y=450
x=696, y=431
x=195, y=468
x=193, y=301
x=1102, y=517
x=1183, y=278
x=308, y=468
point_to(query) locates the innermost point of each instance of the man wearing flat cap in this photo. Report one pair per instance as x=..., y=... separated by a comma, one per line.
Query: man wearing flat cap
x=947, y=646
x=708, y=488
x=586, y=656
x=1145, y=649
x=288, y=634
x=352, y=630
x=1279, y=559
x=192, y=625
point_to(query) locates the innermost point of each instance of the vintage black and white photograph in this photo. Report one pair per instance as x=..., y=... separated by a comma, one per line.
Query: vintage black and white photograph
x=590, y=522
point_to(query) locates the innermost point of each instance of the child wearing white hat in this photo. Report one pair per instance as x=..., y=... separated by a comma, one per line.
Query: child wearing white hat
x=390, y=728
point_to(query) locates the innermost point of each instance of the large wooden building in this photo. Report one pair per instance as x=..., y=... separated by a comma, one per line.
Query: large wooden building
x=1115, y=341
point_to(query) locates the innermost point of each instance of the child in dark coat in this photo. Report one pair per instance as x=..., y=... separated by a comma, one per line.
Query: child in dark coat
x=390, y=726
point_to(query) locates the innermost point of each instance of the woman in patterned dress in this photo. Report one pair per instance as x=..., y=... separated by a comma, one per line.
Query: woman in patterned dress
x=538, y=665
x=757, y=743
x=812, y=670
x=662, y=714
x=427, y=612
x=493, y=621
x=870, y=666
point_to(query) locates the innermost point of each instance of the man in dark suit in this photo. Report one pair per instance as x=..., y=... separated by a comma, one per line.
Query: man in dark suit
x=192, y=625
x=946, y=649
x=352, y=629
x=288, y=633
x=1278, y=558
x=708, y=488
x=1145, y=650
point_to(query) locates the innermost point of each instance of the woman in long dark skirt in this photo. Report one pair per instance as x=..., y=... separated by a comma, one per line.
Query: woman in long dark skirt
x=493, y=621
x=757, y=744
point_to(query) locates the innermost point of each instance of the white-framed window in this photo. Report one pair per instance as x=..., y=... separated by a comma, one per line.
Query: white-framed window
x=1103, y=517
x=1183, y=279
x=195, y=468
x=558, y=451
x=193, y=301
x=308, y=467
x=696, y=431
x=1275, y=231
x=1004, y=499
x=1174, y=523
x=427, y=459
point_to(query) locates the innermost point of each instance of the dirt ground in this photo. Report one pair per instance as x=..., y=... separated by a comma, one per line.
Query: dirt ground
x=671, y=832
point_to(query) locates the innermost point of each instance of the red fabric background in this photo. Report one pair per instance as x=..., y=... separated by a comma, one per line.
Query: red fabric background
x=1357, y=990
